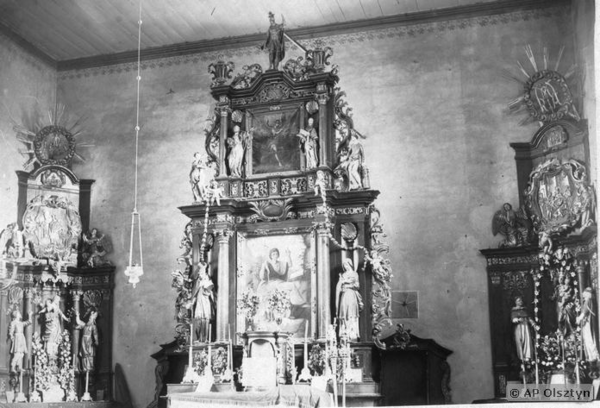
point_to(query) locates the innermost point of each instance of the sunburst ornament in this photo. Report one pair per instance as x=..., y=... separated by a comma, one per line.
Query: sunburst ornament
x=546, y=94
x=51, y=142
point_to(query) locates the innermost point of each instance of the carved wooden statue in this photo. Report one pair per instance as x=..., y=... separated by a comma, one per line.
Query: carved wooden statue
x=89, y=340
x=586, y=321
x=204, y=308
x=522, y=331
x=52, y=325
x=349, y=302
x=18, y=348
x=514, y=225
x=275, y=43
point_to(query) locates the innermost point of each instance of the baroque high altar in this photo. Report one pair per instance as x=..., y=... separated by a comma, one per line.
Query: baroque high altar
x=283, y=249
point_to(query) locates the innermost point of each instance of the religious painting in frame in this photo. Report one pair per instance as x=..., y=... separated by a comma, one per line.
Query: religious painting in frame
x=275, y=142
x=276, y=277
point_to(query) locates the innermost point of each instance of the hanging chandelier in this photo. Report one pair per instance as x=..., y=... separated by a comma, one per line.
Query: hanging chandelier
x=135, y=267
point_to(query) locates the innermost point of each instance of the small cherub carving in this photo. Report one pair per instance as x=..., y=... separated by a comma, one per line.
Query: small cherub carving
x=12, y=244
x=214, y=193
x=320, y=184
x=514, y=225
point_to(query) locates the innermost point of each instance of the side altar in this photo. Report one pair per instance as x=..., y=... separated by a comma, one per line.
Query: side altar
x=283, y=265
x=56, y=287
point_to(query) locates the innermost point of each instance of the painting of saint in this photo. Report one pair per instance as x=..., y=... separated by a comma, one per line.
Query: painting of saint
x=278, y=270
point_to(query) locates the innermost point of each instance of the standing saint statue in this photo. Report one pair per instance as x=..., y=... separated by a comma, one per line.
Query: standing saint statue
x=309, y=140
x=586, y=321
x=204, y=308
x=352, y=163
x=89, y=339
x=52, y=325
x=348, y=302
x=235, y=159
x=275, y=43
x=522, y=332
x=16, y=334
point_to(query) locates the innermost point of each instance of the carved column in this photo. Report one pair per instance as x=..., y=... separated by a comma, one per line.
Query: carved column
x=75, y=331
x=325, y=152
x=224, y=111
x=28, y=313
x=223, y=272
x=323, y=280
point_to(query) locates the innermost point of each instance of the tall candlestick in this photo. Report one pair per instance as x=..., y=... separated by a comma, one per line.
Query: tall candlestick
x=306, y=344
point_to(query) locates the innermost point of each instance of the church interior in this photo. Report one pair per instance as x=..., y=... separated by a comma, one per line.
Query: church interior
x=303, y=203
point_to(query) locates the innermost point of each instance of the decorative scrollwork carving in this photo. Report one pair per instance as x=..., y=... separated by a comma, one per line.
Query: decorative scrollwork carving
x=221, y=72
x=272, y=210
x=246, y=78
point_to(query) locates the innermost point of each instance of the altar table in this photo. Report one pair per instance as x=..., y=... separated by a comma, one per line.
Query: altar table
x=302, y=396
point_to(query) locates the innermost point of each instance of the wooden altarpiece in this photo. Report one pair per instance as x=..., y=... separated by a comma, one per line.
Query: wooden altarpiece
x=297, y=189
x=558, y=238
x=42, y=275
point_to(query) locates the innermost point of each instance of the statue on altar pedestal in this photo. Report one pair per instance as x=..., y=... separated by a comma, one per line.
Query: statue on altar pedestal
x=309, y=141
x=89, y=340
x=205, y=303
x=522, y=331
x=95, y=247
x=275, y=43
x=586, y=321
x=16, y=334
x=349, y=302
x=52, y=326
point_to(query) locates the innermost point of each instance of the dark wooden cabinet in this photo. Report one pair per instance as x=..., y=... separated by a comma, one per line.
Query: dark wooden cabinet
x=416, y=375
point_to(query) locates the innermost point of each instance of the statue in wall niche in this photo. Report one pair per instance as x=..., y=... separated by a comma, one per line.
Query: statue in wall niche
x=348, y=302
x=95, y=247
x=514, y=225
x=309, y=140
x=89, y=339
x=16, y=334
x=275, y=43
x=201, y=174
x=205, y=302
x=237, y=149
x=522, y=330
x=586, y=321
x=52, y=329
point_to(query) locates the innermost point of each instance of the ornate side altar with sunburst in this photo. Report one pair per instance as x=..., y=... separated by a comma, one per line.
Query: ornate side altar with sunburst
x=55, y=285
x=543, y=278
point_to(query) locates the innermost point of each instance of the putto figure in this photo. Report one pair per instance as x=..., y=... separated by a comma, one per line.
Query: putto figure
x=275, y=43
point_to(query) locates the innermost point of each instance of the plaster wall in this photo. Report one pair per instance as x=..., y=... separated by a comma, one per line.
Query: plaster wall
x=431, y=100
x=28, y=88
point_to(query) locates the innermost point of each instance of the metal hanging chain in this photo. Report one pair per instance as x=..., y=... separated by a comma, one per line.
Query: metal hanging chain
x=137, y=136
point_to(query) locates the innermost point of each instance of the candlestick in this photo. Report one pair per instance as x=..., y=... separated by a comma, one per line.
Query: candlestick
x=306, y=344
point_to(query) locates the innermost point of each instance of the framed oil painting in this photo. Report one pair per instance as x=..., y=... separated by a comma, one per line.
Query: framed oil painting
x=275, y=144
x=276, y=282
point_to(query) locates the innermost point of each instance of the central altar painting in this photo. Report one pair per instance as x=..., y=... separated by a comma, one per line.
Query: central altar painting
x=279, y=272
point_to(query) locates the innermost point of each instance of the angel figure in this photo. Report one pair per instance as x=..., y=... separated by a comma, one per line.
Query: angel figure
x=348, y=302
x=12, y=243
x=237, y=147
x=16, y=334
x=198, y=177
x=95, y=247
x=514, y=225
